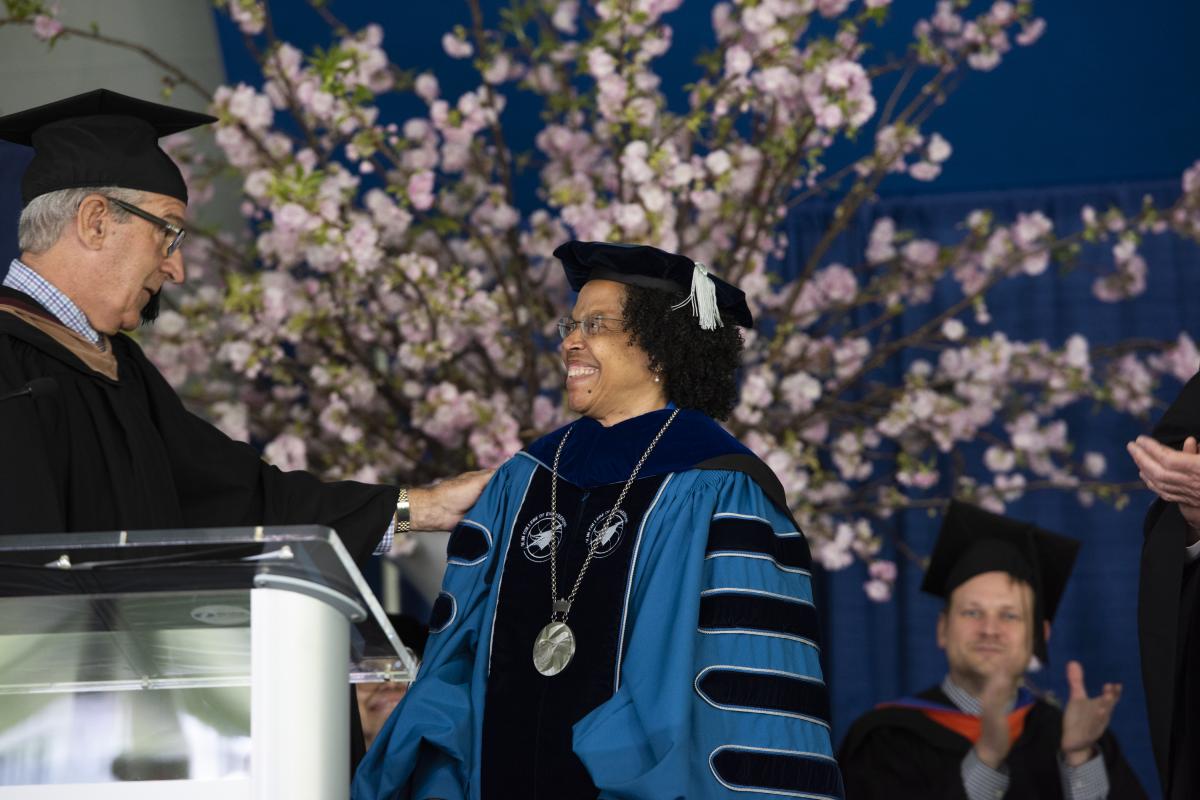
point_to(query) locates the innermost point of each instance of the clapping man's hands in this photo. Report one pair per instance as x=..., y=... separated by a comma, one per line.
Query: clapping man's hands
x=995, y=700
x=1085, y=718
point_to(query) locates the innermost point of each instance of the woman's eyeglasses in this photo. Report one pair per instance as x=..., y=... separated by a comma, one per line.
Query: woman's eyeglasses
x=591, y=326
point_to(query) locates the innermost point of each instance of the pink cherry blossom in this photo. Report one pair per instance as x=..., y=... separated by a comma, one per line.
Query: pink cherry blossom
x=1181, y=361
x=565, y=15
x=1094, y=464
x=878, y=590
x=288, y=452
x=1191, y=179
x=938, y=150
x=456, y=46
x=46, y=27
x=718, y=162
x=924, y=171
x=883, y=570
x=420, y=190
x=738, y=60
x=881, y=248
x=600, y=63
x=1031, y=32
x=426, y=87
x=249, y=15
x=953, y=329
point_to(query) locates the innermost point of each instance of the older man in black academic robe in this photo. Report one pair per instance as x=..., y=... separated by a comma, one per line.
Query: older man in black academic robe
x=92, y=437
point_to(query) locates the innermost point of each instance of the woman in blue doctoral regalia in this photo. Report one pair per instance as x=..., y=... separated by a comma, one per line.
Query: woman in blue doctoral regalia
x=627, y=611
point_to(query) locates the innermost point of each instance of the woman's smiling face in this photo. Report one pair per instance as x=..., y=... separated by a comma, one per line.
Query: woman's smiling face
x=608, y=377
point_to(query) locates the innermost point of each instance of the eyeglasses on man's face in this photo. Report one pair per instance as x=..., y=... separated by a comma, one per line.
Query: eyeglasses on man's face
x=591, y=326
x=171, y=232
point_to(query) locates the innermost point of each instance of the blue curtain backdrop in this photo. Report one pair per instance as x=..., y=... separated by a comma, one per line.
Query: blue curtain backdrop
x=876, y=652
x=1107, y=97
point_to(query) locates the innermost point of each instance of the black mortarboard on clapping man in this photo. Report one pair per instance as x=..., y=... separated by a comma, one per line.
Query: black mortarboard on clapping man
x=643, y=265
x=974, y=541
x=100, y=138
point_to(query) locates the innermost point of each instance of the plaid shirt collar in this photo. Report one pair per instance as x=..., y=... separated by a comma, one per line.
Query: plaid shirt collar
x=26, y=281
x=964, y=701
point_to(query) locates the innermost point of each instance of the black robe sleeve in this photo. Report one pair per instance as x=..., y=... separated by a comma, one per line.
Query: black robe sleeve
x=1168, y=596
x=894, y=753
x=82, y=452
x=33, y=483
x=31, y=496
x=224, y=482
x=1123, y=783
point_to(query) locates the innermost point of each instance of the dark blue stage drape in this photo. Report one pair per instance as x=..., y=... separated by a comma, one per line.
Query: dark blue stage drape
x=875, y=652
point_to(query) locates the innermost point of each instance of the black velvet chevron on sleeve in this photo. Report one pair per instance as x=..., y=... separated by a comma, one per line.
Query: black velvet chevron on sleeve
x=445, y=608
x=468, y=543
x=749, y=611
x=749, y=769
x=734, y=534
x=762, y=690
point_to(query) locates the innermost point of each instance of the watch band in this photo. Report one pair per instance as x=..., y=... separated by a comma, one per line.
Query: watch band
x=403, y=513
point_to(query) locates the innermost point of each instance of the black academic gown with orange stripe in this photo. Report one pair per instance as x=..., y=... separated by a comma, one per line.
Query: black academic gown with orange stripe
x=914, y=749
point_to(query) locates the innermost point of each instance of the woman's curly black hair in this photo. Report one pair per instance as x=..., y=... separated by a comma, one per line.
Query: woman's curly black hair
x=698, y=367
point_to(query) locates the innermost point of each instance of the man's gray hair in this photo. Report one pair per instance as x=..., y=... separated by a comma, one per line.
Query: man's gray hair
x=43, y=220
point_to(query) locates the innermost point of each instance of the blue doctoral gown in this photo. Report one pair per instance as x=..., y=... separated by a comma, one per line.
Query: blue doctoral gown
x=696, y=673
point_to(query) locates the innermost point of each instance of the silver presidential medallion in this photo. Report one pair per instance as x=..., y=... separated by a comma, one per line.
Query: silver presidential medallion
x=555, y=643
x=553, y=648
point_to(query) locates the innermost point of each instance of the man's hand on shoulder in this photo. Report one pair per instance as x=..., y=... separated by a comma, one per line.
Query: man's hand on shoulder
x=439, y=506
x=1085, y=718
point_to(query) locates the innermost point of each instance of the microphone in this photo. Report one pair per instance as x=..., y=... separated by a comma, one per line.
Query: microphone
x=36, y=387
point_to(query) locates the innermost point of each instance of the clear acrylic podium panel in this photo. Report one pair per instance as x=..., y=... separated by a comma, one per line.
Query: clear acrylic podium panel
x=126, y=656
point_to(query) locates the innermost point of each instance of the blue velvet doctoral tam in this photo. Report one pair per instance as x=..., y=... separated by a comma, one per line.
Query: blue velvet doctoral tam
x=696, y=672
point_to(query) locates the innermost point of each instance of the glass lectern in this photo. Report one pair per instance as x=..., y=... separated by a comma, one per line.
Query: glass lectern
x=184, y=663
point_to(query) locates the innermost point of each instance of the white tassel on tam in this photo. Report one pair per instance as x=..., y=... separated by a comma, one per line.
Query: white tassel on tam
x=703, y=299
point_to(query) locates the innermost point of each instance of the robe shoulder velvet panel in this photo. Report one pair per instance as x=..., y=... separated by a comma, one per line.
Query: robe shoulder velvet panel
x=897, y=751
x=696, y=673
x=87, y=453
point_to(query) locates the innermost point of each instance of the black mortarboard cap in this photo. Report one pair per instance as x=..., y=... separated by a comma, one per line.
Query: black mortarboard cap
x=643, y=265
x=974, y=541
x=100, y=138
